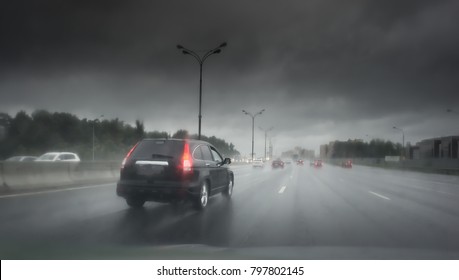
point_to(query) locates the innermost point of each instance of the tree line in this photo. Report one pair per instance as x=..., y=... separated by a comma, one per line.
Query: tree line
x=376, y=148
x=44, y=131
x=227, y=149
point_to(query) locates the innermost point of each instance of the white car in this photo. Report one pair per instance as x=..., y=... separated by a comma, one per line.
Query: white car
x=258, y=163
x=59, y=156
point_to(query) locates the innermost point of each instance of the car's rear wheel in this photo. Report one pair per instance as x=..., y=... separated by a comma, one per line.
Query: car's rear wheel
x=203, y=198
x=229, y=189
x=135, y=202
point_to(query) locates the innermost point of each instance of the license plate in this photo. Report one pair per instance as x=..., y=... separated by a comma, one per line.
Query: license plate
x=150, y=170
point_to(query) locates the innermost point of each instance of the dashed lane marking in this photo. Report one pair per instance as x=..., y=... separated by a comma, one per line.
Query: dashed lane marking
x=378, y=195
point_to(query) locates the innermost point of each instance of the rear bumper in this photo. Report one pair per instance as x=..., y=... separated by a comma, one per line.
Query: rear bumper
x=164, y=192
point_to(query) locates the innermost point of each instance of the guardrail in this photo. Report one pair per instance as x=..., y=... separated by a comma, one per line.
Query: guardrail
x=20, y=176
x=17, y=176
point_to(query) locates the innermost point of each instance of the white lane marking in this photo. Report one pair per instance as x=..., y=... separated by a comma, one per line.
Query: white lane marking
x=54, y=191
x=378, y=195
x=282, y=190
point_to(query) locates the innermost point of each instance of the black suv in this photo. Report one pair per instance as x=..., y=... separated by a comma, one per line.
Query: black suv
x=170, y=170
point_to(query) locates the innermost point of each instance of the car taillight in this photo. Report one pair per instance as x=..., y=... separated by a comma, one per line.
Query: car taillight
x=187, y=162
x=128, y=155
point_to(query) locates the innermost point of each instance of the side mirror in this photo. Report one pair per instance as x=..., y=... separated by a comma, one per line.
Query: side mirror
x=227, y=161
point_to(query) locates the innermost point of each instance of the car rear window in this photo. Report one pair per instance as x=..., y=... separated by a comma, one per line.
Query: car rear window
x=197, y=153
x=206, y=154
x=47, y=156
x=158, y=149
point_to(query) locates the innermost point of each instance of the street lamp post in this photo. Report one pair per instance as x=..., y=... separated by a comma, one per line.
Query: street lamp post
x=403, y=139
x=93, y=134
x=266, y=135
x=201, y=60
x=253, y=124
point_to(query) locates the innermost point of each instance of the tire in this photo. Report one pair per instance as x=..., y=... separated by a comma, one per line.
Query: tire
x=135, y=202
x=202, y=200
x=229, y=189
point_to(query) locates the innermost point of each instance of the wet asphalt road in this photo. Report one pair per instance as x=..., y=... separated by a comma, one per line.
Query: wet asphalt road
x=297, y=207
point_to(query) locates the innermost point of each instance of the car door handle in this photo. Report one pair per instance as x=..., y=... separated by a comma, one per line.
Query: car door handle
x=207, y=164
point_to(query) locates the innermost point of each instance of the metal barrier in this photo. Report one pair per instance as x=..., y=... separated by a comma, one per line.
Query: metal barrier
x=16, y=176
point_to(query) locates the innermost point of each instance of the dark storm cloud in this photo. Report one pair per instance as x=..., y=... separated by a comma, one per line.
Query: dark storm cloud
x=318, y=67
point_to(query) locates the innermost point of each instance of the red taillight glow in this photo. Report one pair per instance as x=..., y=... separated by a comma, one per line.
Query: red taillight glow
x=128, y=155
x=186, y=159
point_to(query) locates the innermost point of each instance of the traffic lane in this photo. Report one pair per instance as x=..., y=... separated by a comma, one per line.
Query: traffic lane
x=298, y=206
x=279, y=210
x=443, y=187
x=97, y=215
x=223, y=223
x=431, y=181
x=303, y=207
x=324, y=218
x=43, y=214
x=44, y=211
x=406, y=219
x=442, y=197
x=258, y=219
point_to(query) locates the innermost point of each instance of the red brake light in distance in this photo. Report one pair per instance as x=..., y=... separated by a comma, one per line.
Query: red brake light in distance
x=186, y=159
x=128, y=155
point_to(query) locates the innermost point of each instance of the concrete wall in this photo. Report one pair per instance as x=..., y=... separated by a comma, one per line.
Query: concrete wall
x=16, y=176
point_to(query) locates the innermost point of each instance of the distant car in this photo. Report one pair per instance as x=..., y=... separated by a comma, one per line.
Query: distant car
x=278, y=163
x=347, y=164
x=318, y=163
x=21, y=158
x=258, y=163
x=172, y=170
x=59, y=156
x=300, y=162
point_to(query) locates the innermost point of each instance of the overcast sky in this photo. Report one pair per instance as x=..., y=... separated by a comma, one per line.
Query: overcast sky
x=323, y=70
